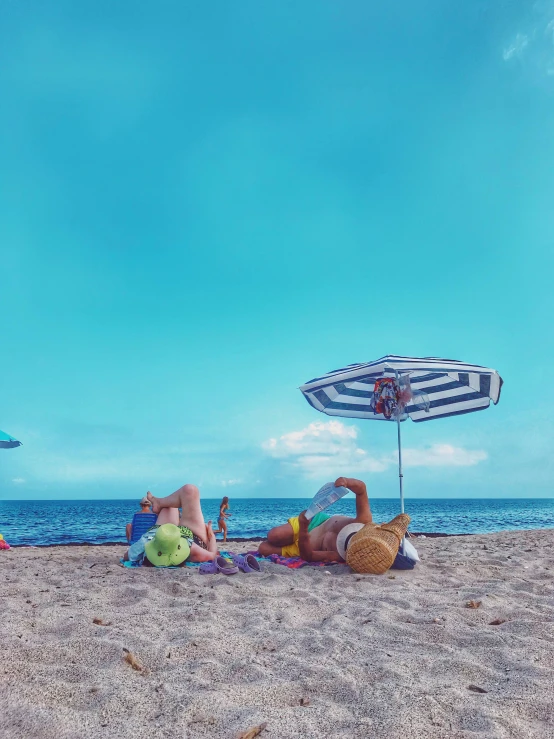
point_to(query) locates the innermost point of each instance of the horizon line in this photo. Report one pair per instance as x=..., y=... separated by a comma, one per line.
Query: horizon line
x=93, y=500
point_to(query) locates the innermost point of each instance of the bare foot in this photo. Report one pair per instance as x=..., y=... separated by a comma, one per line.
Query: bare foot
x=156, y=507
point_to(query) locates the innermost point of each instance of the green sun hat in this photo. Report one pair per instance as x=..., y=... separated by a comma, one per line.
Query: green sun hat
x=168, y=548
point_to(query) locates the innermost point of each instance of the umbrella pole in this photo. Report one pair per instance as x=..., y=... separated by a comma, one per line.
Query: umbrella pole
x=400, y=475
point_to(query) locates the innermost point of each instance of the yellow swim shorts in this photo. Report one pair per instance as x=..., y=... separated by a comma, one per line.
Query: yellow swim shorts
x=292, y=550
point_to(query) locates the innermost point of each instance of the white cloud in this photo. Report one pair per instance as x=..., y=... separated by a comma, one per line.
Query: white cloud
x=324, y=449
x=18, y=480
x=443, y=455
x=327, y=449
x=225, y=483
x=312, y=438
x=534, y=44
x=516, y=48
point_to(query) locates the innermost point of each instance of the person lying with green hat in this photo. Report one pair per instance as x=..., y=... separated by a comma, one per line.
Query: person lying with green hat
x=180, y=533
x=168, y=546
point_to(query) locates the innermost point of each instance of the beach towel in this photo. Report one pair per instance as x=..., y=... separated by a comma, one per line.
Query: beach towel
x=128, y=563
x=294, y=563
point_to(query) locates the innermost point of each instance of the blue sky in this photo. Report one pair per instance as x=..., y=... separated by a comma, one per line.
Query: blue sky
x=204, y=205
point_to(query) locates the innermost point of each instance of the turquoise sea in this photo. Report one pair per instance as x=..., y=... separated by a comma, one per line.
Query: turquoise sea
x=101, y=521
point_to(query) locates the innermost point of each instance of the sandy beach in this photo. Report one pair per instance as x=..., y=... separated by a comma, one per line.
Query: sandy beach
x=316, y=652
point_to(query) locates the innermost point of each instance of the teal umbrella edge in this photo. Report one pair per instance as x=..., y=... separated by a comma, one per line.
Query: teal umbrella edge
x=7, y=441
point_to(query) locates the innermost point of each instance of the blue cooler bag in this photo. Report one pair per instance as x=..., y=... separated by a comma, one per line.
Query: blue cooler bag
x=407, y=556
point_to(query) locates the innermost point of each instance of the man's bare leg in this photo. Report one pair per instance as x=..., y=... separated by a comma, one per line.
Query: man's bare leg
x=281, y=536
x=277, y=538
x=265, y=549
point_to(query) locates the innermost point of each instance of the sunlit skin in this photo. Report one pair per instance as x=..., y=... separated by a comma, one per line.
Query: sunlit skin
x=320, y=544
x=223, y=515
x=187, y=498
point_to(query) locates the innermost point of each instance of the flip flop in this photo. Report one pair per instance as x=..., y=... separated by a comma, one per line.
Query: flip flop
x=246, y=562
x=208, y=568
x=217, y=565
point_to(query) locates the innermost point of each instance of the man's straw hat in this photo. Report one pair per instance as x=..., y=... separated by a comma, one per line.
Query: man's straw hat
x=345, y=535
x=374, y=548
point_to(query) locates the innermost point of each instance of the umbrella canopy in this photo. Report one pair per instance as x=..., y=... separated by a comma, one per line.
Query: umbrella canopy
x=420, y=388
x=7, y=441
x=440, y=388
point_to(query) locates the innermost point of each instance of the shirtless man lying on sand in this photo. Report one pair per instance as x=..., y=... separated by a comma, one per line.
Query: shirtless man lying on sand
x=316, y=540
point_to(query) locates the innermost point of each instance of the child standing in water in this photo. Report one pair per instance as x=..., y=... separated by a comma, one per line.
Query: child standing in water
x=223, y=515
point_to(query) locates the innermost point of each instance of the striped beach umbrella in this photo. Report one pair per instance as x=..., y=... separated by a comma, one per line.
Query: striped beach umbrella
x=7, y=441
x=396, y=388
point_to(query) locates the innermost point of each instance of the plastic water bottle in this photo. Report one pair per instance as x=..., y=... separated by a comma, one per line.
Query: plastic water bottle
x=324, y=497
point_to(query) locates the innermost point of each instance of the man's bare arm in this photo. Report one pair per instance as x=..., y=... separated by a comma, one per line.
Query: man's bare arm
x=211, y=541
x=358, y=487
x=320, y=556
x=304, y=543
